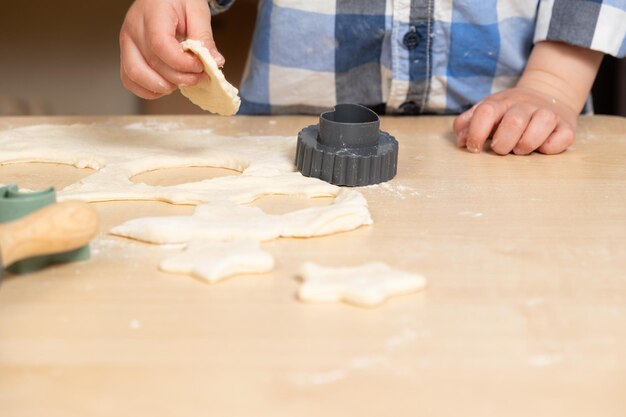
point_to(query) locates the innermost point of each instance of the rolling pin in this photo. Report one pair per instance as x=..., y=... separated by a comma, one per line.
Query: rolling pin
x=53, y=229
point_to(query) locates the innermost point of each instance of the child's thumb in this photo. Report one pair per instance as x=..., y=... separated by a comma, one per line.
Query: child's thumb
x=207, y=41
x=199, y=28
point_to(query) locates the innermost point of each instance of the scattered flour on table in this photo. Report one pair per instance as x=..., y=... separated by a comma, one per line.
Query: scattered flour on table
x=359, y=363
x=116, y=249
x=395, y=189
x=544, y=360
x=534, y=302
x=318, y=378
x=104, y=245
x=379, y=361
x=368, y=361
x=406, y=337
x=469, y=213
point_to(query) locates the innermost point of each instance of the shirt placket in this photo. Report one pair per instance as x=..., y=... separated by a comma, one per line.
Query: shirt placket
x=410, y=60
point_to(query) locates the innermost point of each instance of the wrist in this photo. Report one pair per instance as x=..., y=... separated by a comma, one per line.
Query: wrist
x=554, y=87
x=563, y=72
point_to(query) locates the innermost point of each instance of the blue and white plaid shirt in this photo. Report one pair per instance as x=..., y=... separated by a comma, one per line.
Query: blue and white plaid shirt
x=408, y=56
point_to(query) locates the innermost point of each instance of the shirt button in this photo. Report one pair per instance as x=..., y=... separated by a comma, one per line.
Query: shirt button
x=411, y=39
x=409, y=107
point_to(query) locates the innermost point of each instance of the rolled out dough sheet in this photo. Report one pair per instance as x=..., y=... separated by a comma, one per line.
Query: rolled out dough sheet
x=264, y=166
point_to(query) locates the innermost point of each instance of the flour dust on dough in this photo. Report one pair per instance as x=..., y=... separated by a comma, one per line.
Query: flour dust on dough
x=213, y=93
x=366, y=285
x=214, y=261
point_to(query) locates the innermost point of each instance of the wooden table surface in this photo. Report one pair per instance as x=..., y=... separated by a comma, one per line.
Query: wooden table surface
x=524, y=315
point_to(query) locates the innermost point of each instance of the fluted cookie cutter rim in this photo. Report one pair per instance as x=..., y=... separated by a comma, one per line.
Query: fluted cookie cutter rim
x=347, y=147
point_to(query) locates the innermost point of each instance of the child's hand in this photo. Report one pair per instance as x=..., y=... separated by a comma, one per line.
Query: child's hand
x=153, y=63
x=540, y=113
x=520, y=120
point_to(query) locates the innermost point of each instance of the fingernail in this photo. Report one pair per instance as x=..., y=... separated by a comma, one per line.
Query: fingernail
x=219, y=59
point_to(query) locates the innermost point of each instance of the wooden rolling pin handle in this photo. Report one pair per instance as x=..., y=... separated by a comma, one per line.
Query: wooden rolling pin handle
x=54, y=229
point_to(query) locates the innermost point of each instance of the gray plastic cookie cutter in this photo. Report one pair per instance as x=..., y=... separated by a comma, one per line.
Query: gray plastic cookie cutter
x=15, y=204
x=347, y=147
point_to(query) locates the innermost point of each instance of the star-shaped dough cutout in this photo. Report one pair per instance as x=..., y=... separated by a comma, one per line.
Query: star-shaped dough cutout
x=214, y=261
x=366, y=285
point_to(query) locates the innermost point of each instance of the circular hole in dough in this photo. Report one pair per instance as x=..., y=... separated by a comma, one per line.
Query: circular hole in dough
x=175, y=176
x=40, y=175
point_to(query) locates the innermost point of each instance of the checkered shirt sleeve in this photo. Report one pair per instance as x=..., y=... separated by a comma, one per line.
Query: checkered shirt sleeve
x=218, y=6
x=595, y=24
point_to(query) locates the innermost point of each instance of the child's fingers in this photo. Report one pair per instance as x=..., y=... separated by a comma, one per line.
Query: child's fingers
x=136, y=88
x=170, y=74
x=486, y=115
x=510, y=129
x=461, y=138
x=160, y=40
x=461, y=126
x=461, y=122
x=136, y=69
x=199, y=27
x=561, y=139
x=541, y=125
x=168, y=50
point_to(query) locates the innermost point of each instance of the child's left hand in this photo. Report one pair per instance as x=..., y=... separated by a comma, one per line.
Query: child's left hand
x=519, y=120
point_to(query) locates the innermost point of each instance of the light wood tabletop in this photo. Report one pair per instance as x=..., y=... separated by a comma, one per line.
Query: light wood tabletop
x=524, y=313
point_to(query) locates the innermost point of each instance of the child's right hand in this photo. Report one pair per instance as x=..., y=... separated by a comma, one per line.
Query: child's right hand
x=153, y=63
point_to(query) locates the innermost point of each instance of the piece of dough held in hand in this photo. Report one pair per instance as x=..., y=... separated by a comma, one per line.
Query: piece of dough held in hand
x=214, y=261
x=366, y=285
x=213, y=93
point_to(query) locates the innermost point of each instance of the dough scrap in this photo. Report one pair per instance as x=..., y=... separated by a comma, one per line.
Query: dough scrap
x=214, y=94
x=214, y=261
x=366, y=285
